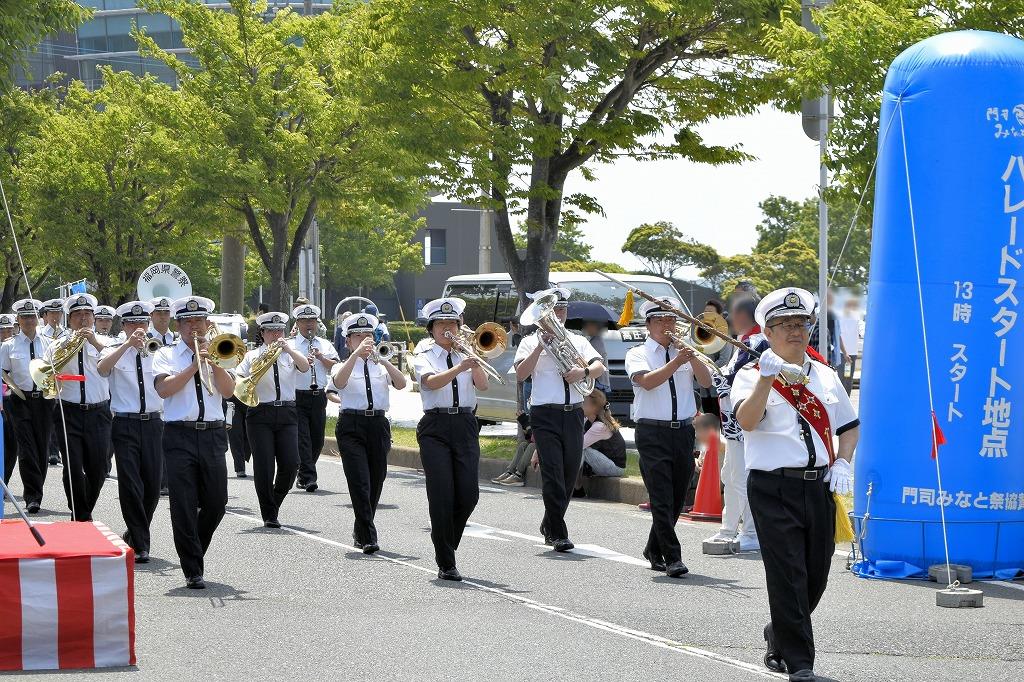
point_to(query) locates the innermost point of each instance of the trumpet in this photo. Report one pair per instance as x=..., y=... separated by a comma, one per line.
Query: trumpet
x=382, y=351
x=150, y=346
x=460, y=344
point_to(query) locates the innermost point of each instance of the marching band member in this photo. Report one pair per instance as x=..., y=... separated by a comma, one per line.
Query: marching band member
x=194, y=438
x=83, y=417
x=30, y=417
x=6, y=327
x=10, y=437
x=448, y=433
x=53, y=309
x=310, y=396
x=104, y=322
x=734, y=471
x=160, y=321
x=363, y=431
x=793, y=469
x=662, y=372
x=556, y=416
x=272, y=425
x=137, y=429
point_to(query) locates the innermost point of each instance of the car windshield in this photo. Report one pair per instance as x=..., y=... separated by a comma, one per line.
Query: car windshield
x=613, y=295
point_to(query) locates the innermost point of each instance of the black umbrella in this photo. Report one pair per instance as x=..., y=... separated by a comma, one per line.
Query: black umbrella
x=588, y=311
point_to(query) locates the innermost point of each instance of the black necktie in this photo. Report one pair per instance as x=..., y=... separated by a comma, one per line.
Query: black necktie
x=671, y=386
x=369, y=389
x=455, y=384
x=32, y=356
x=81, y=371
x=199, y=393
x=277, y=384
x=142, y=384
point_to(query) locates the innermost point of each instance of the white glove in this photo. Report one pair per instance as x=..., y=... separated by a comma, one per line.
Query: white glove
x=770, y=363
x=840, y=477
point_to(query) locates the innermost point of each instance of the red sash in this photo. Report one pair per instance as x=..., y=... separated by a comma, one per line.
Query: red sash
x=811, y=410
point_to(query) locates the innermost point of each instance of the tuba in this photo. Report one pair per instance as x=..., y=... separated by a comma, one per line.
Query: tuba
x=245, y=387
x=44, y=373
x=542, y=314
x=163, y=280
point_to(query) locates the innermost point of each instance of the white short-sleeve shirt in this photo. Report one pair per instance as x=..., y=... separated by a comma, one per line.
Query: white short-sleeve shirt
x=353, y=395
x=548, y=385
x=433, y=360
x=124, y=383
x=15, y=356
x=317, y=369
x=269, y=390
x=656, y=403
x=96, y=387
x=184, y=405
x=777, y=440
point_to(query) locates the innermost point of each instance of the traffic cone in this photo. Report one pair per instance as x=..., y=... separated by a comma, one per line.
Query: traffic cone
x=707, y=503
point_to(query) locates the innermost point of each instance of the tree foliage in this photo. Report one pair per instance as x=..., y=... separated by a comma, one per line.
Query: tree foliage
x=534, y=91
x=664, y=249
x=570, y=244
x=366, y=245
x=586, y=266
x=23, y=23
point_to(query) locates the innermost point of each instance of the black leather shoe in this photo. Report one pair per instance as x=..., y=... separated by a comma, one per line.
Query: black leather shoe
x=142, y=557
x=195, y=583
x=656, y=564
x=676, y=569
x=802, y=676
x=300, y=485
x=579, y=492
x=370, y=548
x=450, y=574
x=54, y=461
x=240, y=473
x=32, y=508
x=272, y=523
x=772, y=657
x=563, y=545
x=311, y=487
x=548, y=540
x=164, y=492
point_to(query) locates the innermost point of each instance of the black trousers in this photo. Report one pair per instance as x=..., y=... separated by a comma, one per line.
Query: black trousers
x=273, y=438
x=450, y=453
x=666, y=464
x=10, y=439
x=85, y=449
x=237, y=436
x=140, y=461
x=558, y=436
x=32, y=422
x=197, y=476
x=795, y=521
x=364, y=443
x=312, y=413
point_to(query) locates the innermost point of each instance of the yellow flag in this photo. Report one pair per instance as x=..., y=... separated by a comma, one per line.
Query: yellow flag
x=627, y=310
x=844, y=531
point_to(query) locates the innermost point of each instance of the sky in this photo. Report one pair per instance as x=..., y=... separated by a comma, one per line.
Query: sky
x=716, y=205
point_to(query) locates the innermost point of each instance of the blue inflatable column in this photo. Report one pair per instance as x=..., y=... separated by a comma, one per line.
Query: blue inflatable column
x=950, y=156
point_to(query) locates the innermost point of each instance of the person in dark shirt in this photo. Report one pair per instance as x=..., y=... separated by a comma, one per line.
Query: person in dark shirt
x=604, y=448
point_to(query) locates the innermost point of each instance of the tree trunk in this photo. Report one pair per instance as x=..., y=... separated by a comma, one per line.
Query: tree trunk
x=232, y=282
x=280, y=286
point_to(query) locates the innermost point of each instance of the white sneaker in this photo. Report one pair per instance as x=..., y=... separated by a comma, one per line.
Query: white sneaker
x=722, y=536
x=749, y=543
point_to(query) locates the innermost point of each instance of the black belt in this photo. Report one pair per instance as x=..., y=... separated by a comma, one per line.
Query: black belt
x=666, y=424
x=365, y=413
x=309, y=391
x=200, y=426
x=141, y=416
x=277, y=403
x=799, y=472
x=28, y=394
x=87, y=406
x=560, y=406
x=449, y=410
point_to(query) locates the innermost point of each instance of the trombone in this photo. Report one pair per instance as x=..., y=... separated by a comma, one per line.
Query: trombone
x=488, y=341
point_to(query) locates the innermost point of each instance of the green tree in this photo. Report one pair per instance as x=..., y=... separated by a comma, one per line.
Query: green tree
x=535, y=91
x=23, y=114
x=102, y=184
x=792, y=263
x=281, y=125
x=663, y=248
x=23, y=23
x=587, y=266
x=570, y=244
x=367, y=245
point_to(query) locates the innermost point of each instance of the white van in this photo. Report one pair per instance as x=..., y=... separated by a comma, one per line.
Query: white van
x=492, y=297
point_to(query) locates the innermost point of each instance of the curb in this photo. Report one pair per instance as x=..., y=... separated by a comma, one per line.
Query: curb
x=625, y=490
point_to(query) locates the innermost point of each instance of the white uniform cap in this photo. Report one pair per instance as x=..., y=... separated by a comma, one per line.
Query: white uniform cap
x=306, y=311
x=562, y=293
x=6, y=321
x=788, y=302
x=162, y=304
x=655, y=309
x=134, y=311
x=28, y=307
x=359, y=323
x=105, y=311
x=53, y=305
x=190, y=306
x=272, y=321
x=80, y=302
x=444, y=309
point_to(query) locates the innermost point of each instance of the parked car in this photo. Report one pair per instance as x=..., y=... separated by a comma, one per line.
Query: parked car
x=492, y=297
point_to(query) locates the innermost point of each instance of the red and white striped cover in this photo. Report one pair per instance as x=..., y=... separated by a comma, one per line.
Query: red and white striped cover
x=68, y=604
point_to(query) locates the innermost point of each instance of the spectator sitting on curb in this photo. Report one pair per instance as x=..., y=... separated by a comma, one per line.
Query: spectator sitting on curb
x=515, y=474
x=604, y=449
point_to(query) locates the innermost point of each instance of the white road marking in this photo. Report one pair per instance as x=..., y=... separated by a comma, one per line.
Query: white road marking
x=597, y=624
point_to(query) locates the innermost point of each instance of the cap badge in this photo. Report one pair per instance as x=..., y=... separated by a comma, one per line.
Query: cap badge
x=136, y=310
x=192, y=305
x=82, y=300
x=792, y=300
x=447, y=307
x=362, y=322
